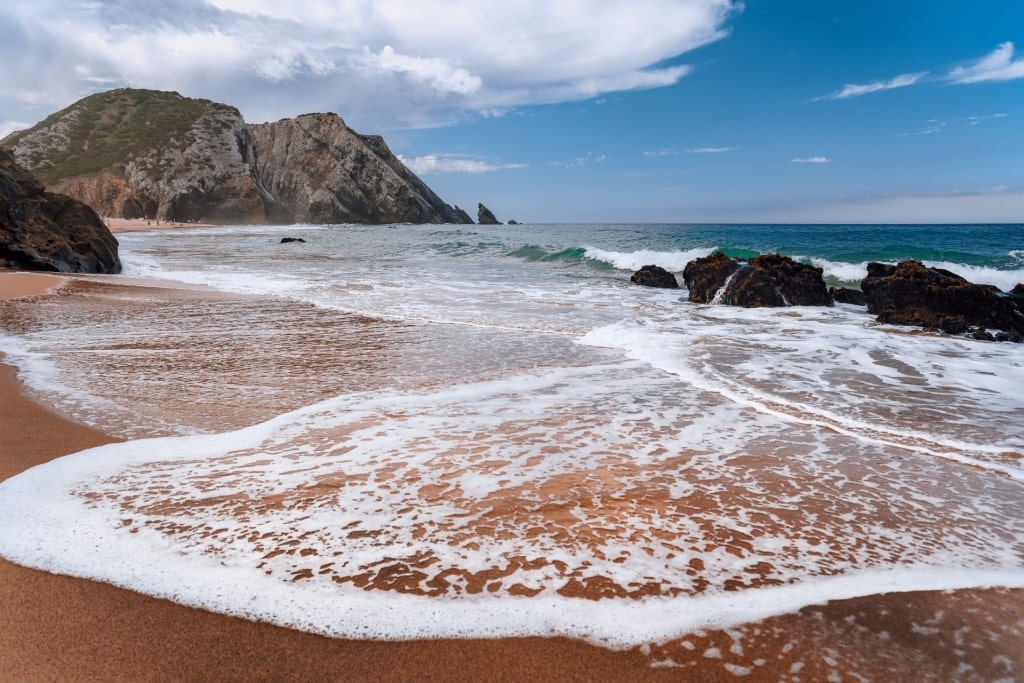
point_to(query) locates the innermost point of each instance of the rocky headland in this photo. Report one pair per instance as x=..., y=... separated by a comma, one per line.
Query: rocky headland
x=46, y=231
x=157, y=155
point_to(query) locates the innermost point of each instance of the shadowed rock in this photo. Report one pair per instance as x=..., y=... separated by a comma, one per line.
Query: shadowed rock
x=290, y=240
x=655, y=276
x=765, y=281
x=46, y=231
x=911, y=293
x=845, y=295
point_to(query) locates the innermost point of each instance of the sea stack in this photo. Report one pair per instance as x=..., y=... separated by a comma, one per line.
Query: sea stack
x=484, y=216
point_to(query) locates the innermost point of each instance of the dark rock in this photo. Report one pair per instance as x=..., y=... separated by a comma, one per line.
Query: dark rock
x=42, y=230
x=910, y=293
x=704, y=277
x=655, y=276
x=289, y=240
x=512, y=221
x=485, y=217
x=1018, y=291
x=845, y=295
x=461, y=216
x=765, y=281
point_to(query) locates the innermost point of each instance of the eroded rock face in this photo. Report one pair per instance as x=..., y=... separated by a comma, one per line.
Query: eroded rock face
x=46, y=231
x=769, y=280
x=911, y=293
x=315, y=169
x=655, y=276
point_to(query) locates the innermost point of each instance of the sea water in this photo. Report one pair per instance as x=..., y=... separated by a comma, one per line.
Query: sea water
x=425, y=431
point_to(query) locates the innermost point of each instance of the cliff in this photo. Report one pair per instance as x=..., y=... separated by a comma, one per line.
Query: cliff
x=158, y=155
x=318, y=170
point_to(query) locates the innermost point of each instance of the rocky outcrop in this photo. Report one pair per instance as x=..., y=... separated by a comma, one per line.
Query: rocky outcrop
x=484, y=216
x=158, y=155
x=911, y=293
x=765, y=281
x=42, y=230
x=655, y=276
x=315, y=169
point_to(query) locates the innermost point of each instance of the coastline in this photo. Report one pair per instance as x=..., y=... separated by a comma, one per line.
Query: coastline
x=58, y=627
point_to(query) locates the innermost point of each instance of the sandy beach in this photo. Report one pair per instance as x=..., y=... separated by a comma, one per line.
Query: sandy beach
x=62, y=628
x=117, y=225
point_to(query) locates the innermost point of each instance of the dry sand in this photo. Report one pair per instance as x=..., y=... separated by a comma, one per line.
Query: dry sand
x=62, y=628
x=117, y=225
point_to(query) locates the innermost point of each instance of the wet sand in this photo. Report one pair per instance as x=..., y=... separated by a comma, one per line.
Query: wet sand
x=61, y=628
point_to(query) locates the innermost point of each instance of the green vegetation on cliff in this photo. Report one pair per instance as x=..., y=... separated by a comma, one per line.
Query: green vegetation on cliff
x=103, y=130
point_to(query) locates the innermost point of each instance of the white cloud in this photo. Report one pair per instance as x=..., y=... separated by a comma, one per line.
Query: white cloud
x=387, y=62
x=710, y=150
x=933, y=126
x=998, y=65
x=580, y=162
x=664, y=152
x=425, y=165
x=852, y=90
x=810, y=160
x=8, y=127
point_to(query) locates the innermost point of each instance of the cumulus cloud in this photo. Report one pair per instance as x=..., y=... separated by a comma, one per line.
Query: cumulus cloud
x=387, y=62
x=998, y=65
x=710, y=150
x=426, y=165
x=810, y=160
x=853, y=90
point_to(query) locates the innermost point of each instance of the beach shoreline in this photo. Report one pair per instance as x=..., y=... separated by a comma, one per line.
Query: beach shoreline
x=118, y=225
x=59, y=627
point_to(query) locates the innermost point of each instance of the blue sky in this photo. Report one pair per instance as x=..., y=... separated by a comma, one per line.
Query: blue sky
x=590, y=110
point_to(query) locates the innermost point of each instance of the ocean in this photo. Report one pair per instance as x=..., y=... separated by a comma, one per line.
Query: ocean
x=416, y=431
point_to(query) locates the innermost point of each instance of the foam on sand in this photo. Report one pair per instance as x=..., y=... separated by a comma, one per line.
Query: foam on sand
x=514, y=507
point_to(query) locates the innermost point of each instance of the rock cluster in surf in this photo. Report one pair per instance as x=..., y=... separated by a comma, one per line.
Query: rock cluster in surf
x=42, y=230
x=157, y=155
x=908, y=293
x=911, y=293
x=765, y=281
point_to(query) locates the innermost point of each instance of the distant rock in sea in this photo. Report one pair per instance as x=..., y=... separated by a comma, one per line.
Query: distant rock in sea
x=765, y=281
x=46, y=231
x=157, y=155
x=911, y=293
x=484, y=216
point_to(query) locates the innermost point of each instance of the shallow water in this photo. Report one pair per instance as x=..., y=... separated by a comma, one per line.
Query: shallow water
x=491, y=428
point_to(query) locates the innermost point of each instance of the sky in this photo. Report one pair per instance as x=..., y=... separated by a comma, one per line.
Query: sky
x=677, y=111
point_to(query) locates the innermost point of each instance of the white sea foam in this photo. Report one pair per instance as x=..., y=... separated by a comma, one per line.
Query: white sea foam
x=981, y=275
x=673, y=261
x=513, y=482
